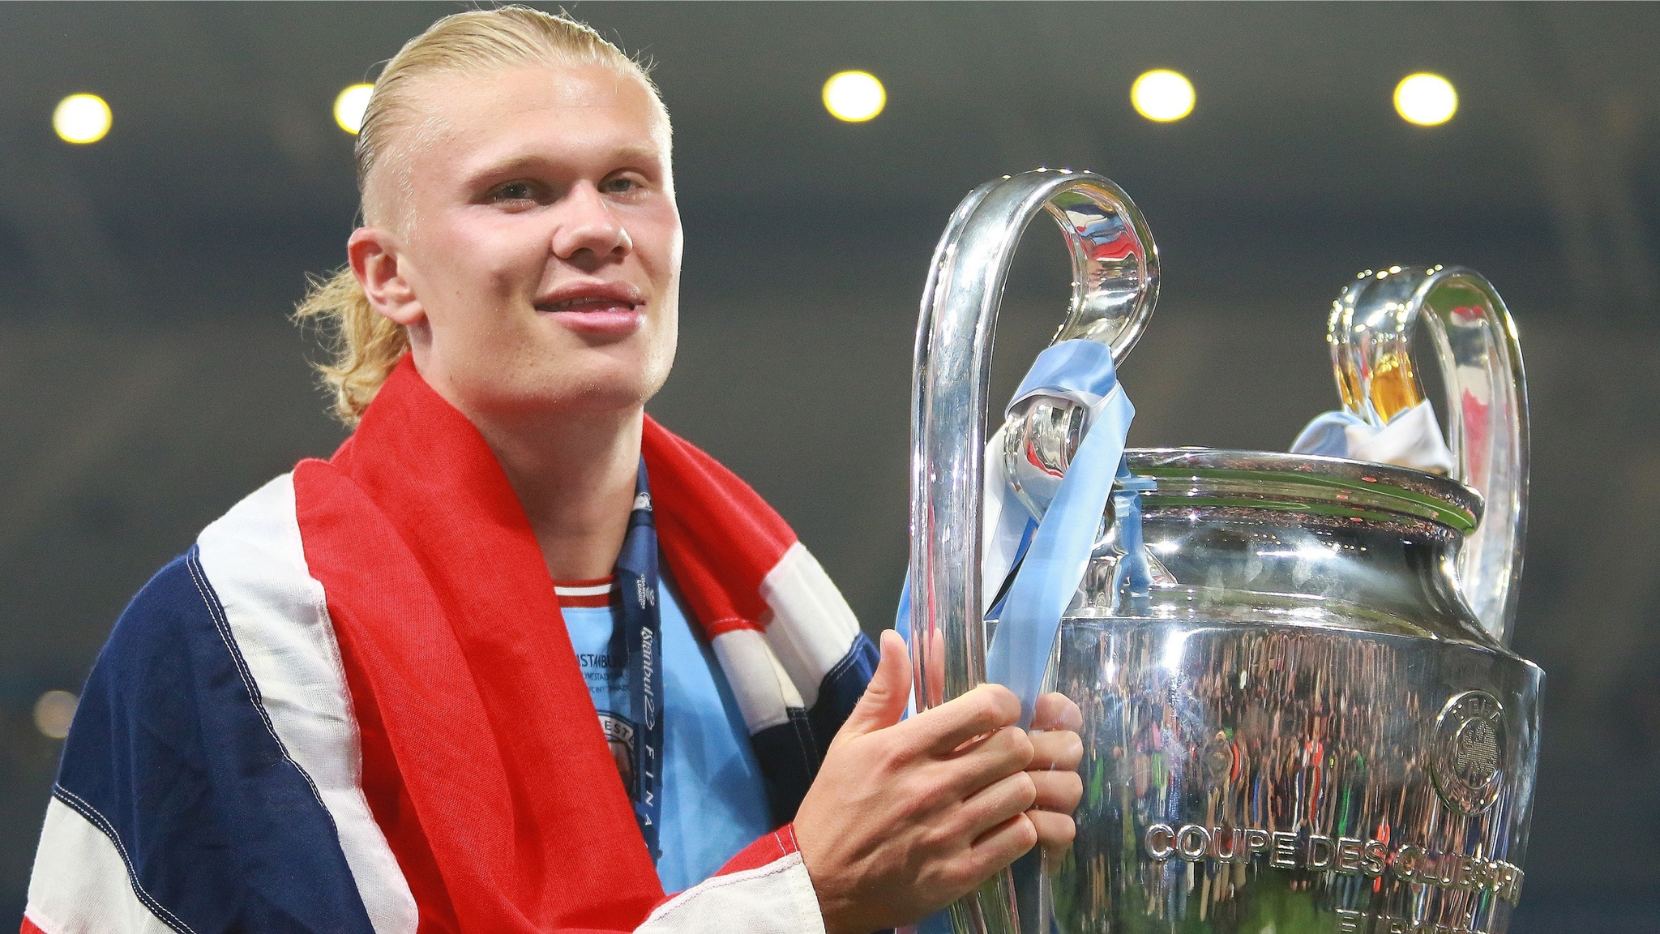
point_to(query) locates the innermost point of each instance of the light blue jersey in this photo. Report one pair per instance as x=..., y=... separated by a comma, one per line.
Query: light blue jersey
x=714, y=798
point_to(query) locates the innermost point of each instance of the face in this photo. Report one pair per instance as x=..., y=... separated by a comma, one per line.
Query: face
x=537, y=264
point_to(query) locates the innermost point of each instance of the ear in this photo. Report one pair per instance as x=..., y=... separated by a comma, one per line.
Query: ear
x=374, y=254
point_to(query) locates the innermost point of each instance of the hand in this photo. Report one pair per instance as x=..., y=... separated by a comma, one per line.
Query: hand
x=906, y=817
x=1057, y=751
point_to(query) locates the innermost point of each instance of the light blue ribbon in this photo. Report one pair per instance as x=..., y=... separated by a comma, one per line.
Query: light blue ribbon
x=1073, y=369
x=1055, y=554
x=1055, y=560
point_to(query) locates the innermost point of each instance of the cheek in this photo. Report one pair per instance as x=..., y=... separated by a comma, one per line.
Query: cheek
x=660, y=238
x=677, y=248
x=485, y=279
x=484, y=250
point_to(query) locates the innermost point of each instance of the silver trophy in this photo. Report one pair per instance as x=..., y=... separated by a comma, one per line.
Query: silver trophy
x=1308, y=717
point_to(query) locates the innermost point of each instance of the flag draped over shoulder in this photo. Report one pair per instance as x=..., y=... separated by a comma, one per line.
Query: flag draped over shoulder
x=353, y=706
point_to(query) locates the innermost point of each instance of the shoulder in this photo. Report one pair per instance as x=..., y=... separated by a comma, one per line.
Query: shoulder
x=216, y=721
x=235, y=618
x=250, y=557
x=182, y=635
x=254, y=555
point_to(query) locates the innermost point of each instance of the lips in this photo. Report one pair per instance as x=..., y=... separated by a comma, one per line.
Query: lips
x=596, y=308
x=585, y=297
x=586, y=304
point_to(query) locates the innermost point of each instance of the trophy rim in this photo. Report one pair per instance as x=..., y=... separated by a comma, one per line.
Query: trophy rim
x=1189, y=471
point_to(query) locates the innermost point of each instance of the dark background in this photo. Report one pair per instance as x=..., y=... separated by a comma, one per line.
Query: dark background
x=149, y=379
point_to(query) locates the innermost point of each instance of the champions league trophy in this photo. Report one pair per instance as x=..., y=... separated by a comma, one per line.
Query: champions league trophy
x=1301, y=713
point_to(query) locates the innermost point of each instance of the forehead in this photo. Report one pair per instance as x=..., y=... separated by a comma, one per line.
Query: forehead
x=566, y=112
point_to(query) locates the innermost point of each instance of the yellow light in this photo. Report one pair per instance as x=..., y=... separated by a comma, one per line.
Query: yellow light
x=1425, y=99
x=854, y=96
x=53, y=713
x=81, y=118
x=1162, y=95
x=349, y=106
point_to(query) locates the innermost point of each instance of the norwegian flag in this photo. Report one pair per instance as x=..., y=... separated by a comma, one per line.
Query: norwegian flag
x=353, y=706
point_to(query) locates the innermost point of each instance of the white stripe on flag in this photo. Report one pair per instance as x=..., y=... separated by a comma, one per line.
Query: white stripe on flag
x=80, y=882
x=812, y=627
x=758, y=683
x=777, y=898
x=255, y=560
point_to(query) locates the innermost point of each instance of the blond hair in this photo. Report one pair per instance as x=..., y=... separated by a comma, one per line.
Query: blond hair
x=365, y=346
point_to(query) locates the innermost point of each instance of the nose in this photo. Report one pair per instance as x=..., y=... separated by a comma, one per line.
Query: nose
x=588, y=227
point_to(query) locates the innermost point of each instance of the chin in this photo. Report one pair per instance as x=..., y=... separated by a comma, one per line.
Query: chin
x=583, y=385
x=595, y=393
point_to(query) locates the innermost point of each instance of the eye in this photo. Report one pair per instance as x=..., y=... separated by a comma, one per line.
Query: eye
x=626, y=184
x=513, y=191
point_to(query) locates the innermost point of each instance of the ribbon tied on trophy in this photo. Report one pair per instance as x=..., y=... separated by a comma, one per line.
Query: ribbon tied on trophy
x=1034, y=552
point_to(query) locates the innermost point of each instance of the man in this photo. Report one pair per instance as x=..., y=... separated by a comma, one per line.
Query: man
x=371, y=697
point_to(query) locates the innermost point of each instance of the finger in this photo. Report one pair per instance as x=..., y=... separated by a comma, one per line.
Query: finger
x=987, y=760
x=943, y=729
x=995, y=804
x=1057, y=712
x=883, y=702
x=1003, y=844
x=1055, y=833
x=1056, y=749
x=1058, y=791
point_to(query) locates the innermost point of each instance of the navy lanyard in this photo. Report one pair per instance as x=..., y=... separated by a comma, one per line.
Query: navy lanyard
x=637, y=585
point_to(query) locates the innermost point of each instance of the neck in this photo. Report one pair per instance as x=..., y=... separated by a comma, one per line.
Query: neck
x=575, y=477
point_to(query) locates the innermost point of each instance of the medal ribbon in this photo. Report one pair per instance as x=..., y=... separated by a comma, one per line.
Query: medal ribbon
x=637, y=585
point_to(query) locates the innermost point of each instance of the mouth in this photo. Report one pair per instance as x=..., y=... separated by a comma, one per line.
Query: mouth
x=585, y=305
x=595, y=308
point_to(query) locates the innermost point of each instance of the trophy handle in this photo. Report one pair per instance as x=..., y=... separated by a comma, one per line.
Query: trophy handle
x=1371, y=329
x=1114, y=287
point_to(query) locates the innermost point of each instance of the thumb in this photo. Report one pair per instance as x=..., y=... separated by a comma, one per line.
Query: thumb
x=889, y=690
